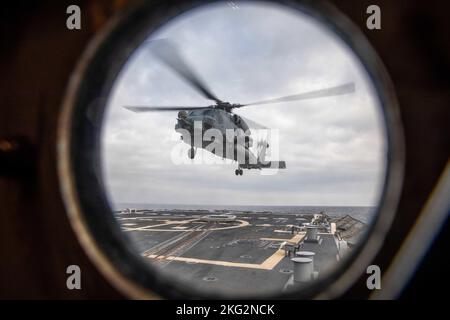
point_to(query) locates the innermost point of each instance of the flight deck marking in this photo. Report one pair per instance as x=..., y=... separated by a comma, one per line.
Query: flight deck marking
x=166, y=223
x=151, y=227
x=275, y=239
x=268, y=264
x=282, y=231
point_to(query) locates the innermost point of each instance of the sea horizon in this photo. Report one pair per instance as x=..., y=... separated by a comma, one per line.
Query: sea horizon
x=362, y=213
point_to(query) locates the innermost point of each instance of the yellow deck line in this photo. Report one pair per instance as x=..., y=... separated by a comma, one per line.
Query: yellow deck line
x=215, y=262
x=274, y=259
x=268, y=264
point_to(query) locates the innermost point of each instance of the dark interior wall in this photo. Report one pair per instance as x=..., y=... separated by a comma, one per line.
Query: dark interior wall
x=36, y=240
x=37, y=56
x=414, y=47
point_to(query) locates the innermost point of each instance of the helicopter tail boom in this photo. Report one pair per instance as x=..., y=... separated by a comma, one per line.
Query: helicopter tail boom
x=267, y=165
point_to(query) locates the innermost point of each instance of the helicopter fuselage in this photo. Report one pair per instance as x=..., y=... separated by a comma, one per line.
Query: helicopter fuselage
x=213, y=123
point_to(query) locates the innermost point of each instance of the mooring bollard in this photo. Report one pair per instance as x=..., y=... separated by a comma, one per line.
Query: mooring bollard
x=303, y=269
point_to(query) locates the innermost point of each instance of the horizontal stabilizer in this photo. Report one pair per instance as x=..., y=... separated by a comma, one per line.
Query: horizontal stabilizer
x=268, y=165
x=274, y=165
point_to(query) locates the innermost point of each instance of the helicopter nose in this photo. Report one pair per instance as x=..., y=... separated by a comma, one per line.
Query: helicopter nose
x=182, y=114
x=183, y=123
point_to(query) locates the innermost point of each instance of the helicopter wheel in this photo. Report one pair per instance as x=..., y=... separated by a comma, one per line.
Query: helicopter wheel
x=239, y=172
x=236, y=172
x=191, y=153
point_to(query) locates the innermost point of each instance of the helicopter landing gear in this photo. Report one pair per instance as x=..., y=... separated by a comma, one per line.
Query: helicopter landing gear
x=239, y=172
x=191, y=153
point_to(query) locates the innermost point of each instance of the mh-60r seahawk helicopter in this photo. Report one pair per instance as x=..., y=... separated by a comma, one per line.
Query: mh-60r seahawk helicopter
x=220, y=115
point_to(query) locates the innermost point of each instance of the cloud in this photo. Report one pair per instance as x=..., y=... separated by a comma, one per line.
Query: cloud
x=334, y=147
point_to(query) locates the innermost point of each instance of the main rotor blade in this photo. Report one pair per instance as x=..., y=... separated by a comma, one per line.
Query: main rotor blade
x=329, y=92
x=152, y=109
x=168, y=53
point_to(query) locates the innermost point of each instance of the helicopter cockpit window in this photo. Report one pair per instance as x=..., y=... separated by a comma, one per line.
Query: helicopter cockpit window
x=285, y=210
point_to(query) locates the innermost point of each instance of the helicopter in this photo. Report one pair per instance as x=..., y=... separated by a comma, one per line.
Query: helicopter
x=192, y=120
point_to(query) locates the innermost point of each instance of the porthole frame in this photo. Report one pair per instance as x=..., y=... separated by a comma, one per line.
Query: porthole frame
x=78, y=152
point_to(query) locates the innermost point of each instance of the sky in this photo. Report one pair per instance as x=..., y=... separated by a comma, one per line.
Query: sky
x=334, y=147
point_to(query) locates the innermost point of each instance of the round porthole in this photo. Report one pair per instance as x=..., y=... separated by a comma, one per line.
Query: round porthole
x=226, y=138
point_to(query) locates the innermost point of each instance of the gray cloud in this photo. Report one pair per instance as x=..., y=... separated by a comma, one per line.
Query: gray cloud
x=334, y=147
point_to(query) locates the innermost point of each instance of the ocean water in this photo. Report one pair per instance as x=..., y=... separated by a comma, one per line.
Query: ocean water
x=364, y=214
